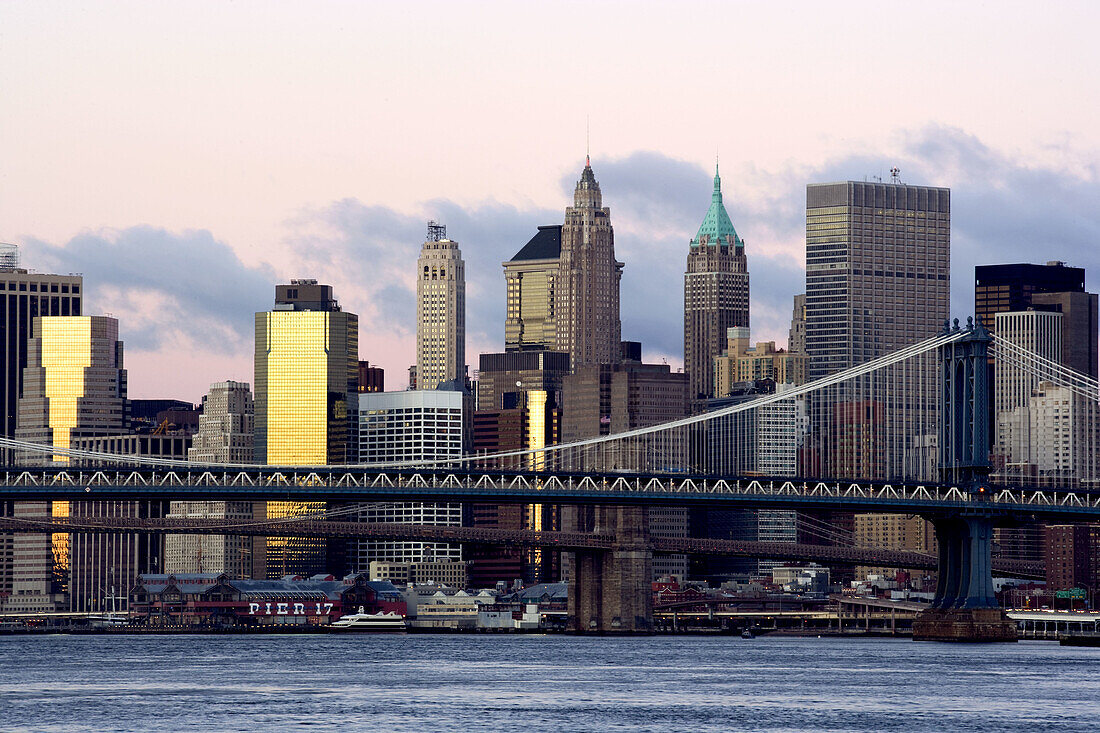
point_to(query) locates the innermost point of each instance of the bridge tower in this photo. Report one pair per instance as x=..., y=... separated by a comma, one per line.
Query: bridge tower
x=610, y=590
x=965, y=607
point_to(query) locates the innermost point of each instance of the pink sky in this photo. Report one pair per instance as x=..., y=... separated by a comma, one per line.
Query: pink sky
x=238, y=118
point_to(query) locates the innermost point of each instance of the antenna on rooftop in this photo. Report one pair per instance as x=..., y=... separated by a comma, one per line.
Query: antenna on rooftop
x=895, y=175
x=436, y=232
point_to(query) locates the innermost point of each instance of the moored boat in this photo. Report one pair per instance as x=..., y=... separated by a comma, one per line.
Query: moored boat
x=363, y=621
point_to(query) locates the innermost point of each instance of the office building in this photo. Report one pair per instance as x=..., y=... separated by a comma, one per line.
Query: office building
x=614, y=398
x=1011, y=288
x=518, y=409
x=226, y=434
x=530, y=278
x=1079, y=328
x=878, y=270
x=440, y=311
x=716, y=293
x=878, y=278
x=1039, y=332
x=586, y=290
x=740, y=362
x=74, y=386
x=796, y=336
x=371, y=378
x=24, y=295
x=306, y=379
x=103, y=565
x=417, y=427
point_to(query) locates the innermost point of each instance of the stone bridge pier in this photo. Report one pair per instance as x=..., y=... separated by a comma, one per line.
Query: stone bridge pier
x=965, y=607
x=610, y=590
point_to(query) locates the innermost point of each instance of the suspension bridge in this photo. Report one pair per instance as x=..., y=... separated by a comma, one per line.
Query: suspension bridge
x=908, y=433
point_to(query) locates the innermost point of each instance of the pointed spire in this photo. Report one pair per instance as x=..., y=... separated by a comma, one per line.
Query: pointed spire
x=716, y=226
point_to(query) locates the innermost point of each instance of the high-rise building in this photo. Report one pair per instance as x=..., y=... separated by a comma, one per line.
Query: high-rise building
x=602, y=399
x=519, y=408
x=440, y=311
x=796, y=337
x=371, y=378
x=306, y=377
x=531, y=277
x=586, y=290
x=1011, y=288
x=103, y=565
x=225, y=435
x=409, y=426
x=24, y=296
x=878, y=278
x=74, y=386
x=878, y=270
x=1039, y=332
x=716, y=293
x=1079, y=328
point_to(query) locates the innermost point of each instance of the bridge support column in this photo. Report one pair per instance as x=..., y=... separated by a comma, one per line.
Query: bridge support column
x=610, y=591
x=964, y=607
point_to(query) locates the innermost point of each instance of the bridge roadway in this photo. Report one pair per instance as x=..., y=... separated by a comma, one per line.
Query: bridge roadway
x=568, y=541
x=357, y=484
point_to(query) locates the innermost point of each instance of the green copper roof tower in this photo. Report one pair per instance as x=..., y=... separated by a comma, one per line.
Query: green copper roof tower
x=716, y=294
x=716, y=224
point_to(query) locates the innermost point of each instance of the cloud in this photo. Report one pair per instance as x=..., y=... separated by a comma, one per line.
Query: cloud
x=164, y=287
x=188, y=290
x=369, y=253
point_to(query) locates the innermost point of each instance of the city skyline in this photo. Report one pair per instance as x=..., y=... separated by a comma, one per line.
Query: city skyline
x=201, y=220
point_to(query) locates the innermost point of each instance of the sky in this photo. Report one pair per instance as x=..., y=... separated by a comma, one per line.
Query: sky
x=186, y=157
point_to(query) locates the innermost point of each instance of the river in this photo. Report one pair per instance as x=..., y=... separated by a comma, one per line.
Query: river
x=560, y=683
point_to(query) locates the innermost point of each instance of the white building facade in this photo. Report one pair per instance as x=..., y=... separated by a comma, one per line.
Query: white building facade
x=411, y=426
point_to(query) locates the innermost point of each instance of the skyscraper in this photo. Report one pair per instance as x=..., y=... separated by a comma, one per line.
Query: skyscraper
x=796, y=336
x=25, y=295
x=415, y=425
x=878, y=270
x=440, y=311
x=307, y=371
x=74, y=386
x=1011, y=287
x=586, y=292
x=716, y=293
x=226, y=435
x=306, y=374
x=878, y=277
x=531, y=277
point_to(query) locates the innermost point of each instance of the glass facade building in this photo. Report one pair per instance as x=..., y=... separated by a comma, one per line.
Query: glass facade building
x=395, y=427
x=306, y=377
x=74, y=387
x=530, y=277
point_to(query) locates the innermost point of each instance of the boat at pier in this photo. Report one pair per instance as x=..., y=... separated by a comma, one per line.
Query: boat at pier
x=363, y=621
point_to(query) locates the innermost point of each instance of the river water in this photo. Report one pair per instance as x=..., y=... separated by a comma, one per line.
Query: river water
x=500, y=683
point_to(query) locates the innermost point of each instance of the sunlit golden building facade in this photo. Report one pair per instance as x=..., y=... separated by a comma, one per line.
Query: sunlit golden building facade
x=531, y=277
x=306, y=375
x=74, y=387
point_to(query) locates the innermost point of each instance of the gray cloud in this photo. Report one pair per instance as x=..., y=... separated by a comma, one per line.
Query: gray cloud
x=189, y=284
x=162, y=285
